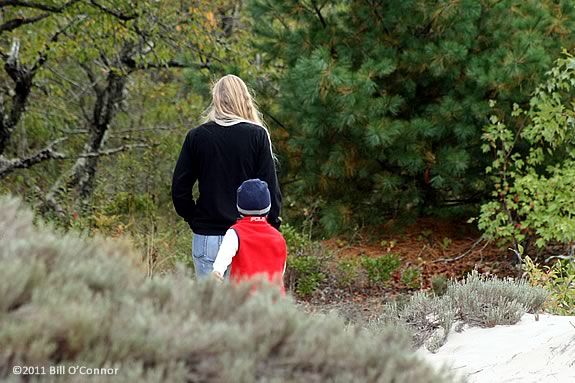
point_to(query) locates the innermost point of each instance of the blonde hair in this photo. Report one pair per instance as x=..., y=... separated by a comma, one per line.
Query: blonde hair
x=232, y=103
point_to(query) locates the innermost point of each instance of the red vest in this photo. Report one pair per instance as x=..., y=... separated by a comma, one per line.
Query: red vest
x=262, y=250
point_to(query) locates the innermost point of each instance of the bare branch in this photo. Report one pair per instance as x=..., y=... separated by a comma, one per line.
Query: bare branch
x=467, y=252
x=7, y=166
x=10, y=25
x=318, y=13
x=167, y=65
x=116, y=14
x=108, y=152
x=36, y=5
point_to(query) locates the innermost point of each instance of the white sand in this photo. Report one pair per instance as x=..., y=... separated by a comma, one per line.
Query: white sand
x=529, y=351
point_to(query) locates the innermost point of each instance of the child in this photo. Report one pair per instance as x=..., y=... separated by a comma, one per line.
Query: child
x=252, y=245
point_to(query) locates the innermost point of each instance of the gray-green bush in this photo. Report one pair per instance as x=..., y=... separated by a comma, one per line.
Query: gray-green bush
x=65, y=300
x=477, y=300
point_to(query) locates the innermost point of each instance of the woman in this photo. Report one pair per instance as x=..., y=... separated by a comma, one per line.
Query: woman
x=232, y=146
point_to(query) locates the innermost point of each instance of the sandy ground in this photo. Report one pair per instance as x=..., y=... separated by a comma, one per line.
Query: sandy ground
x=532, y=350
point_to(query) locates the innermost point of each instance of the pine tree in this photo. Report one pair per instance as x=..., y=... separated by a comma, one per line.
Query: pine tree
x=385, y=101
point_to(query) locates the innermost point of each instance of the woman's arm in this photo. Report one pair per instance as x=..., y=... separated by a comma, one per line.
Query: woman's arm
x=267, y=172
x=183, y=181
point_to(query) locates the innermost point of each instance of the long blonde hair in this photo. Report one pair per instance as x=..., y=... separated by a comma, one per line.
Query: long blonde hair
x=232, y=103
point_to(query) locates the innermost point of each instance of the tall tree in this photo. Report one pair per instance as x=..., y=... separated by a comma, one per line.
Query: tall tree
x=78, y=57
x=385, y=101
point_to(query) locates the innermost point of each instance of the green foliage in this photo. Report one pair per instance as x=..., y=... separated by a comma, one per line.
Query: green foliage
x=296, y=241
x=379, y=269
x=445, y=243
x=439, y=285
x=558, y=280
x=534, y=195
x=129, y=204
x=411, y=277
x=477, y=301
x=65, y=300
x=384, y=104
x=305, y=274
x=304, y=265
x=347, y=272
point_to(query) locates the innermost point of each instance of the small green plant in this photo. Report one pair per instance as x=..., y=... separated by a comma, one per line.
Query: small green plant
x=305, y=274
x=439, y=284
x=445, y=243
x=388, y=245
x=558, y=280
x=411, y=277
x=296, y=241
x=425, y=235
x=379, y=269
x=347, y=272
x=304, y=271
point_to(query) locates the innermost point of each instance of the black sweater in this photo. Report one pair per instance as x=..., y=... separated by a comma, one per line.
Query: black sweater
x=220, y=158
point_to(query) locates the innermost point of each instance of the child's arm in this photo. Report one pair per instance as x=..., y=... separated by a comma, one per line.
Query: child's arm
x=228, y=249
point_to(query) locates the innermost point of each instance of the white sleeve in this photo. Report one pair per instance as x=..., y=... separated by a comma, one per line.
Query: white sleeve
x=228, y=249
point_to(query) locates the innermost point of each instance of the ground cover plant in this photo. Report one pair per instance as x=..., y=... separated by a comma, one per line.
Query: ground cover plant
x=477, y=300
x=68, y=300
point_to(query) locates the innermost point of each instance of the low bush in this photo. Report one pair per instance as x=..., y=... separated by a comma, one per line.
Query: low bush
x=379, y=269
x=411, y=277
x=558, y=280
x=347, y=272
x=477, y=300
x=65, y=300
x=304, y=272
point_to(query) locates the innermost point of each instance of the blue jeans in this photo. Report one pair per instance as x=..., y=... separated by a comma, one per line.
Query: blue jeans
x=204, y=251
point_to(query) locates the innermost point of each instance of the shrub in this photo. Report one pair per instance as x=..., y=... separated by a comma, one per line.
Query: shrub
x=439, y=284
x=379, y=269
x=534, y=194
x=65, y=300
x=296, y=241
x=558, y=280
x=305, y=274
x=347, y=272
x=477, y=300
x=411, y=277
x=490, y=301
x=428, y=319
x=304, y=265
